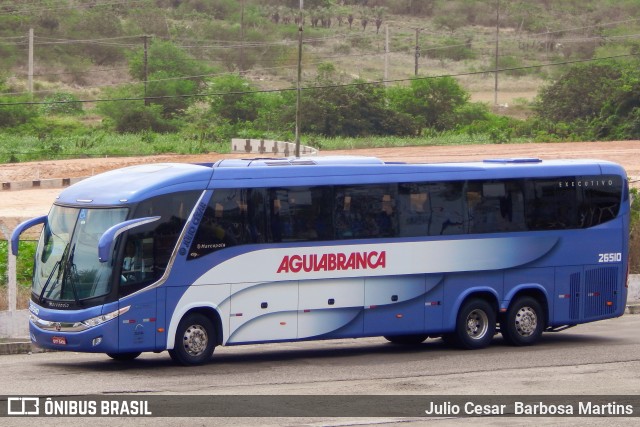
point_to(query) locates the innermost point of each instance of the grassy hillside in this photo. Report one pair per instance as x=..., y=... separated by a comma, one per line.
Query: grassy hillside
x=85, y=46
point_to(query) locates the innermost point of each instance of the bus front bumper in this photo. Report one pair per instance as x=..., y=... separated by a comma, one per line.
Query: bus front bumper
x=99, y=339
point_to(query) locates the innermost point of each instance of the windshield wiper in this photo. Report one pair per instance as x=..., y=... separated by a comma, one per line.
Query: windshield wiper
x=46, y=284
x=70, y=273
x=56, y=267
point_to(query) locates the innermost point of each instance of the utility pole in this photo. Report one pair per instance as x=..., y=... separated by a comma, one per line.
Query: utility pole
x=241, y=61
x=146, y=69
x=298, y=90
x=386, y=53
x=30, y=73
x=495, y=89
x=417, y=50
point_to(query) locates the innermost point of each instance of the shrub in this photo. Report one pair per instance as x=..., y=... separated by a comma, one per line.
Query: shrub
x=61, y=103
x=15, y=112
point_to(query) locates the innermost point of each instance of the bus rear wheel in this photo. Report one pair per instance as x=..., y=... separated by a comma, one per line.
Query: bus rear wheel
x=195, y=340
x=406, y=339
x=475, y=325
x=124, y=357
x=523, y=323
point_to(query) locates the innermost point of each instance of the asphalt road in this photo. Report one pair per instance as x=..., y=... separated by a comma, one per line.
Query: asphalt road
x=599, y=358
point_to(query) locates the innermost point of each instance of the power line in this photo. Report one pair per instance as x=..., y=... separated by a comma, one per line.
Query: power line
x=332, y=86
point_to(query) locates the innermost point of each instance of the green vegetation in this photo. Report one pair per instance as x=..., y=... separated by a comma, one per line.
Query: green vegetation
x=159, y=76
x=595, y=101
x=185, y=76
x=24, y=263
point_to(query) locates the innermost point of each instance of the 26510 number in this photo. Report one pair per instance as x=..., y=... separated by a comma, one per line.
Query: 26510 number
x=610, y=257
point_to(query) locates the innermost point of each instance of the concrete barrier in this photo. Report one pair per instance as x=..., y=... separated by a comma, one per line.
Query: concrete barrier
x=40, y=183
x=633, y=295
x=14, y=324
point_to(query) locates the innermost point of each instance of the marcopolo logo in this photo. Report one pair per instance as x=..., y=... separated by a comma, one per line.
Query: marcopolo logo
x=333, y=262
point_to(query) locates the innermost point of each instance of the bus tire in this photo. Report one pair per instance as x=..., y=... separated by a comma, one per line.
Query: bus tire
x=475, y=324
x=195, y=340
x=524, y=322
x=124, y=357
x=406, y=339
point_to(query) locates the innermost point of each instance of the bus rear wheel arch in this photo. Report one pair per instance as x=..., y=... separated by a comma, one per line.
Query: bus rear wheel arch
x=524, y=321
x=195, y=340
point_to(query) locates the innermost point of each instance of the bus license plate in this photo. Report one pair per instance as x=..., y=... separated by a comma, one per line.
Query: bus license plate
x=59, y=340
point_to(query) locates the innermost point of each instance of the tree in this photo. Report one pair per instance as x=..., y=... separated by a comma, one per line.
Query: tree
x=171, y=74
x=431, y=102
x=234, y=100
x=132, y=116
x=594, y=101
x=337, y=108
x=580, y=93
x=164, y=56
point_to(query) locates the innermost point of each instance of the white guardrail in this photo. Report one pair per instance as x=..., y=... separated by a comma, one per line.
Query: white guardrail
x=269, y=148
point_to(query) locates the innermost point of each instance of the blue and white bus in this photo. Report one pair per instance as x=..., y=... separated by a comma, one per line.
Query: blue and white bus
x=186, y=257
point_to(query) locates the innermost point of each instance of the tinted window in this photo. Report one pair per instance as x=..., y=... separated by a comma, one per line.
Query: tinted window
x=495, y=206
x=147, y=249
x=299, y=214
x=550, y=204
x=601, y=199
x=365, y=211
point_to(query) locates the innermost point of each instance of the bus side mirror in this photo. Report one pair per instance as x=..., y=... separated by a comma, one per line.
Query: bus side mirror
x=21, y=228
x=105, y=244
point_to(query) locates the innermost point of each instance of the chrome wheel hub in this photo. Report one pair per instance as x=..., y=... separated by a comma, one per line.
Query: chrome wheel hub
x=195, y=340
x=477, y=324
x=526, y=321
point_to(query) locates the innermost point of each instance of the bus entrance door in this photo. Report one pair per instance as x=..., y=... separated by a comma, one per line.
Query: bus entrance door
x=137, y=328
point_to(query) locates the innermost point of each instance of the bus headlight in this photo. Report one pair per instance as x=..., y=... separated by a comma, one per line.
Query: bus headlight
x=98, y=320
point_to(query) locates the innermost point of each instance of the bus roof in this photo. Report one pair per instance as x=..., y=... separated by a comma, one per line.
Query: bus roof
x=135, y=183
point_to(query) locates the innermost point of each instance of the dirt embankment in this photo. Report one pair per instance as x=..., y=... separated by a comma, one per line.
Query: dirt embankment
x=627, y=153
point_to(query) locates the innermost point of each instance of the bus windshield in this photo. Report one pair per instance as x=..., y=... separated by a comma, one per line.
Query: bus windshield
x=67, y=267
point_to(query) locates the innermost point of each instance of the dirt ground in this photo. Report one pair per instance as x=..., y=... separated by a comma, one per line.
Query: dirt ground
x=627, y=153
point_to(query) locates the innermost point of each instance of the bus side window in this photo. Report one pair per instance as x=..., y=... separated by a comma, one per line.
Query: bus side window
x=600, y=202
x=365, y=211
x=414, y=210
x=550, y=206
x=448, y=209
x=154, y=243
x=222, y=225
x=495, y=206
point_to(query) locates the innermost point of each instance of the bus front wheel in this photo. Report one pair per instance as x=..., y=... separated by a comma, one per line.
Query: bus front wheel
x=523, y=323
x=195, y=340
x=475, y=324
